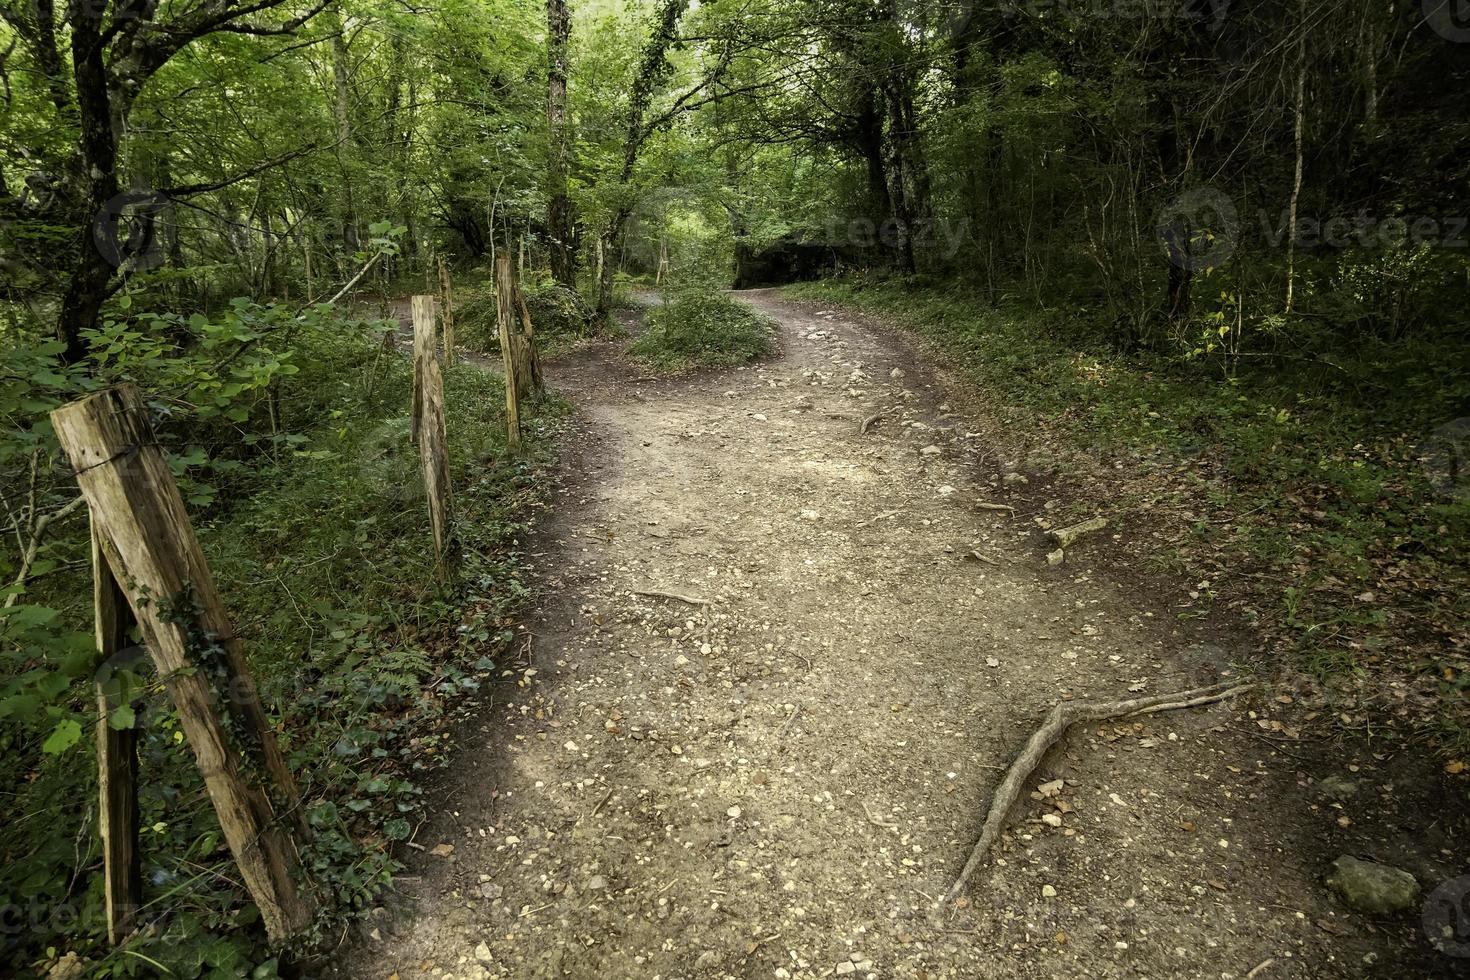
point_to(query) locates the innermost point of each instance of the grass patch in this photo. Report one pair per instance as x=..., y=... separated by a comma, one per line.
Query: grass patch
x=699, y=329
x=1306, y=485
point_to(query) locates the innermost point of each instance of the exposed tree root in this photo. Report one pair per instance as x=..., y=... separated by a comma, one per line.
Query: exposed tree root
x=1062, y=717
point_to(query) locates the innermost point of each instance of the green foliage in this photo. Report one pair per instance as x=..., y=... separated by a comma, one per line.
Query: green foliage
x=698, y=328
x=559, y=315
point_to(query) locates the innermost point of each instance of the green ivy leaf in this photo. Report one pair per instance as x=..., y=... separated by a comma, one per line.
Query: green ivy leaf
x=66, y=734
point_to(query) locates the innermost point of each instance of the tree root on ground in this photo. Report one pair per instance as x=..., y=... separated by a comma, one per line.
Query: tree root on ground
x=1062, y=717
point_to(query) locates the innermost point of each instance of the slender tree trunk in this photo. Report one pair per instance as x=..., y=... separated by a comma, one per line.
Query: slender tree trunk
x=559, y=207
x=341, y=67
x=1296, y=187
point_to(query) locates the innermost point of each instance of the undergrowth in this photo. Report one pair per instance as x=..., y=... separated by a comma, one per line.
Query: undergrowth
x=1327, y=487
x=560, y=316
x=361, y=649
x=698, y=328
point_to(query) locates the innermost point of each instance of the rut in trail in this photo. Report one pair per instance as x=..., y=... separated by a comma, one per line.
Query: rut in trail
x=781, y=782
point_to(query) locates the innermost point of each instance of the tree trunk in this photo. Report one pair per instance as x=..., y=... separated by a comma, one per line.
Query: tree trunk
x=1296, y=187
x=91, y=273
x=559, y=208
x=341, y=64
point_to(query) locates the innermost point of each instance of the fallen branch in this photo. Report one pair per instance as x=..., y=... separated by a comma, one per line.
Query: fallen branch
x=1005, y=507
x=1066, y=536
x=1062, y=717
x=670, y=595
x=871, y=421
x=975, y=555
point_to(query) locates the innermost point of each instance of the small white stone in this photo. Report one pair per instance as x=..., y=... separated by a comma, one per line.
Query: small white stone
x=1047, y=891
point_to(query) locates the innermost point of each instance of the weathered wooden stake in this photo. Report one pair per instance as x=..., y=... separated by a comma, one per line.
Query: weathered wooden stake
x=446, y=300
x=424, y=349
x=144, y=532
x=505, y=292
x=429, y=424
x=117, y=756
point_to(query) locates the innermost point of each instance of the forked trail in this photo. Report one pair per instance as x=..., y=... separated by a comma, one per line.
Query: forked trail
x=782, y=777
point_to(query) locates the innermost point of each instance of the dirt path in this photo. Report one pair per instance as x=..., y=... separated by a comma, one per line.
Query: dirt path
x=780, y=783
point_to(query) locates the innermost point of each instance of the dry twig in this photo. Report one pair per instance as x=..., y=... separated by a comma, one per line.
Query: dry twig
x=670, y=595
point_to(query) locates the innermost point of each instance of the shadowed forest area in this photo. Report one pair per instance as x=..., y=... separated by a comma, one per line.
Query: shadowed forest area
x=642, y=487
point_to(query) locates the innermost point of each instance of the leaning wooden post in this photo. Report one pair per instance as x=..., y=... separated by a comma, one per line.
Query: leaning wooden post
x=144, y=532
x=429, y=423
x=446, y=303
x=117, y=755
x=505, y=291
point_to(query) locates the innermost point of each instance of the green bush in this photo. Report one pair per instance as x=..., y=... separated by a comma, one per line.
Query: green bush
x=697, y=328
x=558, y=314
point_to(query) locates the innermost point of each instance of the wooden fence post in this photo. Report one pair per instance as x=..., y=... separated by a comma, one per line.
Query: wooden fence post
x=424, y=349
x=446, y=300
x=117, y=756
x=429, y=423
x=144, y=532
x=505, y=293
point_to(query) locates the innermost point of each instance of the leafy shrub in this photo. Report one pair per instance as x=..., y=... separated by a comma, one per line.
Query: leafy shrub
x=698, y=328
x=557, y=313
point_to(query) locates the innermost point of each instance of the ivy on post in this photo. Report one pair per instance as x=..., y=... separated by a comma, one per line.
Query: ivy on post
x=117, y=753
x=429, y=423
x=145, y=535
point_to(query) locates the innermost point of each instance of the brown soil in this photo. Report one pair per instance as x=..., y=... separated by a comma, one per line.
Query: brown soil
x=783, y=782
